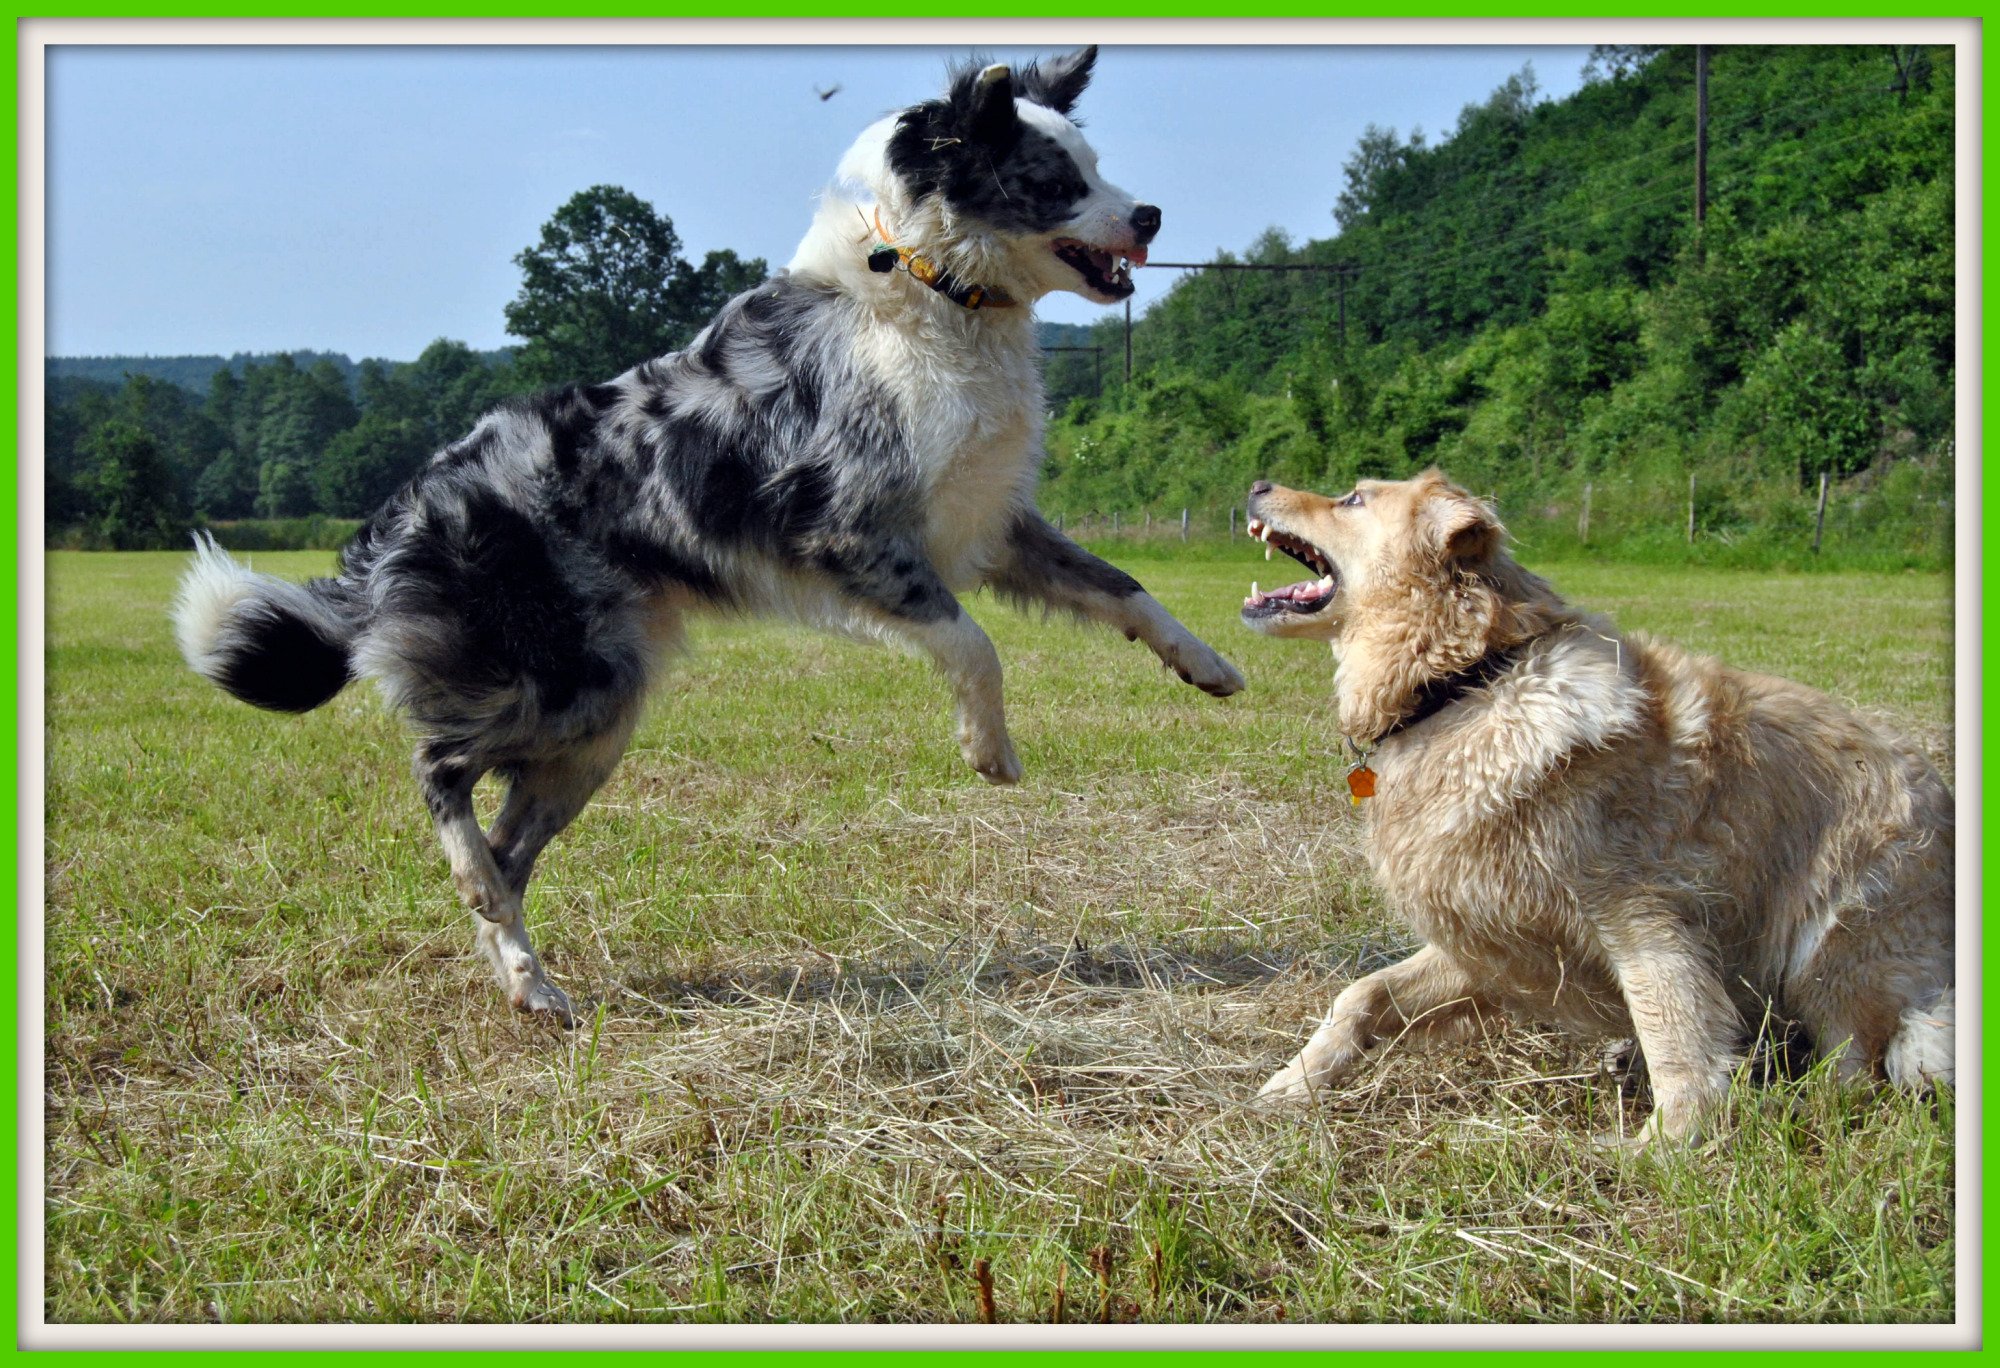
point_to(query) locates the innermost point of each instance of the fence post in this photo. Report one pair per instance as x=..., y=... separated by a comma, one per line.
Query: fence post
x=1819, y=519
x=1690, y=508
x=1059, y=522
x=1114, y=520
x=1583, y=522
x=1232, y=522
x=1184, y=524
x=1149, y=522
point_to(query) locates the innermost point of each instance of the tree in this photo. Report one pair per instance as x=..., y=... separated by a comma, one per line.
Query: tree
x=1616, y=61
x=128, y=489
x=1377, y=157
x=446, y=389
x=606, y=288
x=227, y=487
x=367, y=463
x=302, y=412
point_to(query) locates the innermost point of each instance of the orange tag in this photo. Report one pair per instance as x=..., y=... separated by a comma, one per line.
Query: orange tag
x=1361, y=784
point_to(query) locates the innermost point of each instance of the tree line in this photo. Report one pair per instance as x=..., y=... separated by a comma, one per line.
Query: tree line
x=136, y=464
x=1529, y=303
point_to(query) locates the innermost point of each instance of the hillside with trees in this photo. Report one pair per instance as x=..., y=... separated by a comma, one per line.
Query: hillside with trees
x=139, y=449
x=1529, y=304
x=1525, y=301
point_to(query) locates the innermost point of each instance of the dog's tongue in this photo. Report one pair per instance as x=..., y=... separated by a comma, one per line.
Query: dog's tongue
x=1306, y=591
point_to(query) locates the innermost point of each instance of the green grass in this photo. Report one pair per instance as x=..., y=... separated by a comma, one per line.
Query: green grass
x=854, y=1021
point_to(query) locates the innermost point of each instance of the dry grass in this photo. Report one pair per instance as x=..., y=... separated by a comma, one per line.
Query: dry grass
x=856, y=1026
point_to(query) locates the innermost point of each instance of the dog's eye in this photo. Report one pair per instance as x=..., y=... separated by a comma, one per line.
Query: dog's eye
x=1352, y=500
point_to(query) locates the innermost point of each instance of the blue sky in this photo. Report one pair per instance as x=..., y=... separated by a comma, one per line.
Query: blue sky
x=371, y=199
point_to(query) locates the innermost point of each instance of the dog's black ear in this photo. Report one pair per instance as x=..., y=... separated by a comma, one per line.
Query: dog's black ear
x=982, y=103
x=1059, y=82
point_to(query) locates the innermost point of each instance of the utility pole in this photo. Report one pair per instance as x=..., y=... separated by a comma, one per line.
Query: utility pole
x=1128, y=341
x=1700, y=134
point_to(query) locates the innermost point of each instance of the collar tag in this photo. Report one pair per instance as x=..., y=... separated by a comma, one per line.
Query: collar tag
x=1360, y=784
x=1360, y=778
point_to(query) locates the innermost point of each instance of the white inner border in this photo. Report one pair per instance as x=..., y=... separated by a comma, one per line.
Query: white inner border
x=37, y=34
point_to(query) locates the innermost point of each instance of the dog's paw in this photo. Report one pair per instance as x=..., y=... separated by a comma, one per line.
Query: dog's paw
x=539, y=997
x=1198, y=664
x=1661, y=1134
x=1617, y=1146
x=1288, y=1084
x=991, y=756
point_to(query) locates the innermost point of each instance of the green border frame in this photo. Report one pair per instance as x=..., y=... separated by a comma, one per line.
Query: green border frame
x=1985, y=577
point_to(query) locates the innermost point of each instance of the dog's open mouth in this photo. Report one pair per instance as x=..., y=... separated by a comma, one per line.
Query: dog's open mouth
x=1307, y=596
x=1107, y=273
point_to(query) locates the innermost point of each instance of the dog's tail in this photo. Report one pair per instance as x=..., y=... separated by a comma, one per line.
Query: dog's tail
x=1920, y=1053
x=270, y=642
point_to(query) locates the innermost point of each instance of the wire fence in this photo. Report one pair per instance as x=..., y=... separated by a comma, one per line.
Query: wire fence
x=1702, y=513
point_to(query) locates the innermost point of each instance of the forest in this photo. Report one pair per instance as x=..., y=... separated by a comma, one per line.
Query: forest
x=1526, y=301
x=1529, y=304
x=268, y=449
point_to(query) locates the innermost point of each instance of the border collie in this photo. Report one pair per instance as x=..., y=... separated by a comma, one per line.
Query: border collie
x=852, y=444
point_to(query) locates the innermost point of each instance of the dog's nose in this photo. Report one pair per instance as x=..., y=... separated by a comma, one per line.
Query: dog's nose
x=1146, y=222
x=1261, y=487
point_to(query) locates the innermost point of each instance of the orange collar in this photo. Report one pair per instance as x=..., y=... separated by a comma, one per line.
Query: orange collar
x=886, y=256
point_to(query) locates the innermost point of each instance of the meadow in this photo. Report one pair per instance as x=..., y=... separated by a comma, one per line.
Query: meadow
x=864, y=1039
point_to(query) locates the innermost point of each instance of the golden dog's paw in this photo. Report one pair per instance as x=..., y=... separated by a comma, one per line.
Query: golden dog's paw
x=1288, y=1085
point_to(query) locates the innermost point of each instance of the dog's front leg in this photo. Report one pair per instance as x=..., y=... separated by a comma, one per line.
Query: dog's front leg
x=1042, y=566
x=1686, y=1025
x=1425, y=996
x=907, y=603
x=964, y=654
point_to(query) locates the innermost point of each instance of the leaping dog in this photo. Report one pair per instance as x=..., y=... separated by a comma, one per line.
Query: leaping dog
x=851, y=444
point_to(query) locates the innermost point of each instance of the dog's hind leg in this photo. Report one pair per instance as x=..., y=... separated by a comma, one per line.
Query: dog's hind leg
x=447, y=776
x=1042, y=566
x=1426, y=997
x=543, y=797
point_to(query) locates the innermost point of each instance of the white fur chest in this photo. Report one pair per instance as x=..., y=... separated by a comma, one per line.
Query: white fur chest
x=969, y=396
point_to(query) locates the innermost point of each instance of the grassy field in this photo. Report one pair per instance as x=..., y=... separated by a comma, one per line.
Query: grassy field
x=856, y=1025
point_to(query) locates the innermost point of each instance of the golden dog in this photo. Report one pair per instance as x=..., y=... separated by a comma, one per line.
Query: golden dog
x=1605, y=832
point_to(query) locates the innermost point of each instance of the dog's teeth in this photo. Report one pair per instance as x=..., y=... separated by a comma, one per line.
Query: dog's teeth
x=1326, y=583
x=1267, y=550
x=1253, y=588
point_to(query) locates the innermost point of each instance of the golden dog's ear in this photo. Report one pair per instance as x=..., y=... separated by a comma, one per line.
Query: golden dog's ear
x=1457, y=526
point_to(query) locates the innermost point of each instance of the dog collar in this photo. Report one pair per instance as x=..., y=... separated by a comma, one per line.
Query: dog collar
x=1438, y=694
x=886, y=256
x=1433, y=698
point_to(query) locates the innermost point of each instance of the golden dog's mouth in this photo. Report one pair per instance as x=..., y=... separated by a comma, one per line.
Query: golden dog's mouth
x=1307, y=596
